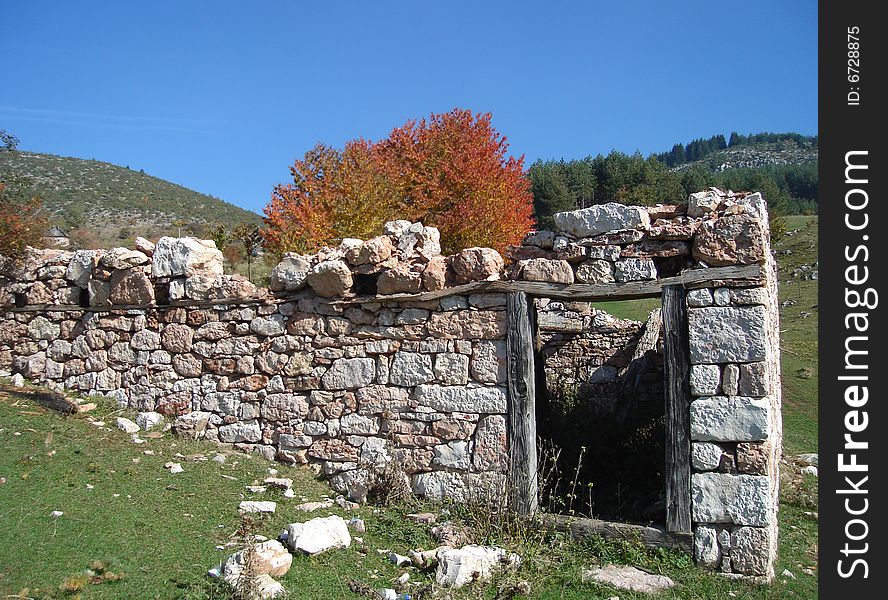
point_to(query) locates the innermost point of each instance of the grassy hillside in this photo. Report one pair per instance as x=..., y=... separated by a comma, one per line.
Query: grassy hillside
x=109, y=203
x=756, y=155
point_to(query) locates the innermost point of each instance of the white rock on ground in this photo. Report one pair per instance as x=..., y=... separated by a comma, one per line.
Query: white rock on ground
x=127, y=426
x=149, y=420
x=18, y=380
x=318, y=535
x=313, y=506
x=268, y=558
x=254, y=506
x=629, y=578
x=809, y=459
x=459, y=566
x=174, y=467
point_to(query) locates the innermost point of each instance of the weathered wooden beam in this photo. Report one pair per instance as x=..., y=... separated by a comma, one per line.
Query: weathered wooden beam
x=522, y=404
x=652, y=536
x=575, y=291
x=678, y=401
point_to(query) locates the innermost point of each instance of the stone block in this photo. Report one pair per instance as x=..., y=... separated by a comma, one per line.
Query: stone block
x=754, y=379
x=726, y=498
x=751, y=550
x=602, y=218
x=705, y=380
x=730, y=419
x=705, y=456
x=727, y=334
x=461, y=398
x=410, y=368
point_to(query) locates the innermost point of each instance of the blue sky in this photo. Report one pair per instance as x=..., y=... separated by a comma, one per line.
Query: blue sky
x=222, y=96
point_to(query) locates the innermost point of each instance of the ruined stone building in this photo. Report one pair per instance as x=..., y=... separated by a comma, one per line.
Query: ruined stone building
x=384, y=351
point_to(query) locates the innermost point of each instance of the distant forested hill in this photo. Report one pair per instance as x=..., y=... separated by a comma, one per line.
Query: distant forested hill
x=783, y=166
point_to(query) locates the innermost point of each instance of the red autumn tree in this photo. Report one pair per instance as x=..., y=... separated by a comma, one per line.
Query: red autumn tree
x=450, y=171
x=22, y=223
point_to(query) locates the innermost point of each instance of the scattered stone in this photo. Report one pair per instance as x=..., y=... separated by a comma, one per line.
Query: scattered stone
x=281, y=483
x=267, y=559
x=629, y=578
x=399, y=560
x=18, y=380
x=423, y=518
x=313, y=506
x=460, y=566
x=448, y=534
x=127, y=426
x=174, y=468
x=254, y=506
x=810, y=470
x=318, y=535
x=148, y=420
x=808, y=459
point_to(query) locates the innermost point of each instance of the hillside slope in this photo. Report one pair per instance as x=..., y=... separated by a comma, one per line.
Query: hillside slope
x=114, y=202
x=755, y=155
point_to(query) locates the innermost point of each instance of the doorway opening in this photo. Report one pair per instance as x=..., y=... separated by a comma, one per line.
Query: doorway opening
x=600, y=409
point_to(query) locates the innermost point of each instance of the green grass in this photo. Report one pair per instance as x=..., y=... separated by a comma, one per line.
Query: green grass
x=161, y=530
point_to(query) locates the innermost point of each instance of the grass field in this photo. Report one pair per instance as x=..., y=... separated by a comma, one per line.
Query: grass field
x=161, y=531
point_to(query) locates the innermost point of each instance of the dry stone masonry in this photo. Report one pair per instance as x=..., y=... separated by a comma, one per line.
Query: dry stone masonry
x=384, y=350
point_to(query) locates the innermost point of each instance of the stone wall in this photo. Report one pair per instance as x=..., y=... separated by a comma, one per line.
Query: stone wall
x=385, y=350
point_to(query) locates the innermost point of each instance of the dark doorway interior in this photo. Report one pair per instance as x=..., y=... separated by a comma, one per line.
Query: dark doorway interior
x=600, y=413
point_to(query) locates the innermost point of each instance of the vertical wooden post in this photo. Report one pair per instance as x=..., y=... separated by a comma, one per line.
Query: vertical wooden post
x=522, y=404
x=678, y=401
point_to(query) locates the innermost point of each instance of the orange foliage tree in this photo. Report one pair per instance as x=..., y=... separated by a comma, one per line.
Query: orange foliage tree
x=22, y=223
x=450, y=171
